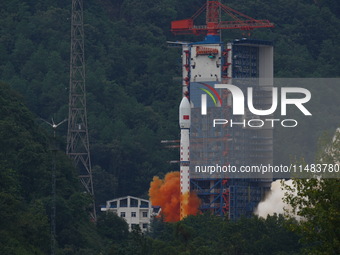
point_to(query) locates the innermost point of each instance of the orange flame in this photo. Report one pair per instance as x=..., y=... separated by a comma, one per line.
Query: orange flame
x=166, y=194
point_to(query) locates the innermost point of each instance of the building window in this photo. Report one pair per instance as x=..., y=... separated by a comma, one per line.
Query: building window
x=133, y=202
x=145, y=225
x=113, y=204
x=122, y=214
x=123, y=202
x=144, y=204
x=145, y=214
x=133, y=214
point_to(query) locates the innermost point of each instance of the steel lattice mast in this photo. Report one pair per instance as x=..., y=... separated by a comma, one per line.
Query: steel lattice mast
x=77, y=136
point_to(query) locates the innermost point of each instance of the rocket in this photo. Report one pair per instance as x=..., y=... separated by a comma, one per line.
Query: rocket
x=184, y=123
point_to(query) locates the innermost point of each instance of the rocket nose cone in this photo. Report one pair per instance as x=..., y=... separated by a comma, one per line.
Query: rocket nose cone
x=184, y=113
x=185, y=104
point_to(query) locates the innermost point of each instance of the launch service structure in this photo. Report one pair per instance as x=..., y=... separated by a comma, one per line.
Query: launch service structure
x=205, y=65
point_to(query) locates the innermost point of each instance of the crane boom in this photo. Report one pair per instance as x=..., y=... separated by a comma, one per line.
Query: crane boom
x=213, y=21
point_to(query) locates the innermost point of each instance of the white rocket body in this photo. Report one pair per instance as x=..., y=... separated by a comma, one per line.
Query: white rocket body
x=184, y=123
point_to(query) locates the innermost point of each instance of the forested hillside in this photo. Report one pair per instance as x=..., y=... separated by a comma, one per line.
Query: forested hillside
x=132, y=89
x=25, y=187
x=133, y=93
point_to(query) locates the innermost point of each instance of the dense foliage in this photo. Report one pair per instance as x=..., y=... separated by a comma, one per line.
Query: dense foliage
x=216, y=236
x=132, y=96
x=318, y=203
x=25, y=187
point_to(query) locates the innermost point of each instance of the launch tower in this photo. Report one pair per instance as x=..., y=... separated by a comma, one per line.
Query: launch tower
x=244, y=63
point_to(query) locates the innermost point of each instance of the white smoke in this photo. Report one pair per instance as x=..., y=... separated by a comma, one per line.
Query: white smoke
x=273, y=203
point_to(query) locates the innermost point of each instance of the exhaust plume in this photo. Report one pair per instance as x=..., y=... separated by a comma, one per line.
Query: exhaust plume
x=274, y=203
x=166, y=194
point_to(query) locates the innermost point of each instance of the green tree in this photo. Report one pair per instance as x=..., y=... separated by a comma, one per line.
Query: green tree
x=317, y=201
x=113, y=227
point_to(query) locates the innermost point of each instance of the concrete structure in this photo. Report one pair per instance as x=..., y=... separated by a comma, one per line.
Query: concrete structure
x=244, y=63
x=206, y=65
x=134, y=210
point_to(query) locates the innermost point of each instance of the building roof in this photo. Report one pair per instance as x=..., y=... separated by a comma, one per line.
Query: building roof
x=120, y=198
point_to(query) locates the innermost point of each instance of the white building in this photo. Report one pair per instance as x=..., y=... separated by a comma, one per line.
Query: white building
x=134, y=210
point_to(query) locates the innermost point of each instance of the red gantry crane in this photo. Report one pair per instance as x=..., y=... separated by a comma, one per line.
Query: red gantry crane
x=213, y=21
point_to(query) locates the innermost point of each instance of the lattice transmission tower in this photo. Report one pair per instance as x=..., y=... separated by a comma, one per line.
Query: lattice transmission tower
x=77, y=136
